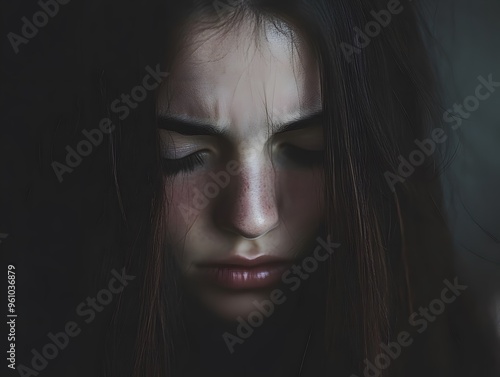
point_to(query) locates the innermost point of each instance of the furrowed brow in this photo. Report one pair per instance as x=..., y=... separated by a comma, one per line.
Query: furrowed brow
x=193, y=127
x=312, y=120
x=188, y=127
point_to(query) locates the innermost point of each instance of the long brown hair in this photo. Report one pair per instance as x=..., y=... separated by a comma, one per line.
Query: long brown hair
x=396, y=246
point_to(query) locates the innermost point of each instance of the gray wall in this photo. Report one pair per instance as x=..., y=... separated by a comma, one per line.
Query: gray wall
x=467, y=45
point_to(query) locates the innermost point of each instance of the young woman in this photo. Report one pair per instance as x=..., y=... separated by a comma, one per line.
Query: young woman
x=283, y=237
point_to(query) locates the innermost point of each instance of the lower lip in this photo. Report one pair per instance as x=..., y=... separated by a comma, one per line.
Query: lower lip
x=240, y=277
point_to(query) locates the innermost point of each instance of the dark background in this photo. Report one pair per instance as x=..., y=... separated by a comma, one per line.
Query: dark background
x=92, y=51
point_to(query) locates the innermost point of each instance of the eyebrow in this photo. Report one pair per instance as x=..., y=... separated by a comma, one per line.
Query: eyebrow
x=194, y=127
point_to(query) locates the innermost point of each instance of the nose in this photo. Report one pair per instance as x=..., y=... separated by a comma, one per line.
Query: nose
x=249, y=205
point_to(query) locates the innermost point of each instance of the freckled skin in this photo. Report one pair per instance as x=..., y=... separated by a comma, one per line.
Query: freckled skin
x=266, y=209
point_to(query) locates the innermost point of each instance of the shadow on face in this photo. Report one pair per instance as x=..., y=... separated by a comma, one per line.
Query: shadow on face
x=242, y=141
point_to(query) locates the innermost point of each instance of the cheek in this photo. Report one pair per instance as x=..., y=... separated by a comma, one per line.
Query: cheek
x=302, y=198
x=183, y=205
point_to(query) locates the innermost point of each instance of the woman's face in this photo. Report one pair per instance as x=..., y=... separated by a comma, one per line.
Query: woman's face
x=242, y=140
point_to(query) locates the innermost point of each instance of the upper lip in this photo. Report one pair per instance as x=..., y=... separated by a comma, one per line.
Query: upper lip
x=242, y=262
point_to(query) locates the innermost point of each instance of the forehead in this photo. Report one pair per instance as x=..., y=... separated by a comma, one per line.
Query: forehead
x=244, y=77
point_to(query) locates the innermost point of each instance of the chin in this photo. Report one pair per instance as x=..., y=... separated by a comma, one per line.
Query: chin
x=234, y=306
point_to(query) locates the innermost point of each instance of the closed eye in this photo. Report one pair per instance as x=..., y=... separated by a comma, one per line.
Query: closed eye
x=301, y=157
x=186, y=164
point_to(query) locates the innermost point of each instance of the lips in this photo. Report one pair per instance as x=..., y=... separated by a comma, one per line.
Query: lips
x=240, y=273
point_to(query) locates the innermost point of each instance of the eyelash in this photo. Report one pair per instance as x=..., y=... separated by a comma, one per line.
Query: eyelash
x=183, y=165
x=295, y=155
x=303, y=157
